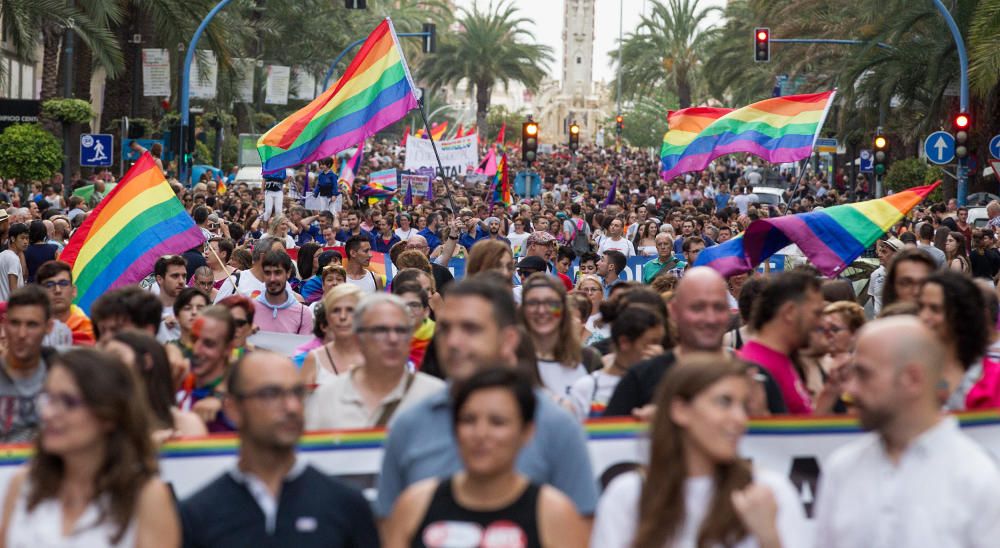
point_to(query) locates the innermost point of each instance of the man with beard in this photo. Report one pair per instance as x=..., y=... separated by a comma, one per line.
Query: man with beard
x=493, y=230
x=915, y=479
x=786, y=313
x=271, y=497
x=277, y=309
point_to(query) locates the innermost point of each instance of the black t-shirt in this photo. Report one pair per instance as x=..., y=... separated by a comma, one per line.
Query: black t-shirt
x=639, y=385
x=986, y=265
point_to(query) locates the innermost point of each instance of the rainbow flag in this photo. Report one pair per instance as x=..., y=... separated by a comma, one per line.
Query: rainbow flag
x=351, y=166
x=830, y=238
x=780, y=129
x=500, y=191
x=137, y=223
x=375, y=91
x=685, y=124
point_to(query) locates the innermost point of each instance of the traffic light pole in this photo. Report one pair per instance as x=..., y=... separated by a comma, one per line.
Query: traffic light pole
x=963, y=96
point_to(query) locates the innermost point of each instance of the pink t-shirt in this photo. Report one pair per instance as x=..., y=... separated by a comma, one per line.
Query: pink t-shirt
x=781, y=368
x=296, y=319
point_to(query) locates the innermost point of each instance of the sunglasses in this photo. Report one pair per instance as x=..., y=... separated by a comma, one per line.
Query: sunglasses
x=241, y=323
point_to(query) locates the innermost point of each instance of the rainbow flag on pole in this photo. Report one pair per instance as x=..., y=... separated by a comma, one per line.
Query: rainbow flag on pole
x=830, y=238
x=781, y=129
x=375, y=91
x=118, y=244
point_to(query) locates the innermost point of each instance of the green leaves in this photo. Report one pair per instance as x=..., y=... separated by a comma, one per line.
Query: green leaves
x=69, y=111
x=28, y=153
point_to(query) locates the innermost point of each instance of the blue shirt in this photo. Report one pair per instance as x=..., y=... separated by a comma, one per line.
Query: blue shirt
x=382, y=246
x=421, y=445
x=311, y=234
x=345, y=235
x=721, y=200
x=432, y=239
x=326, y=179
x=466, y=241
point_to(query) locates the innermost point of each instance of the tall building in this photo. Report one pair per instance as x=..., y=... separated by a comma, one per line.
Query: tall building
x=578, y=47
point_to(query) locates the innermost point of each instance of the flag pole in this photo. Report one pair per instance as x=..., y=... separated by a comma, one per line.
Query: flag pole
x=444, y=179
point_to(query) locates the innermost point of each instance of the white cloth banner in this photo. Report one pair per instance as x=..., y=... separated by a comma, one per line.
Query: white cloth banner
x=419, y=185
x=798, y=451
x=155, y=72
x=245, y=69
x=304, y=87
x=203, y=83
x=277, y=85
x=457, y=155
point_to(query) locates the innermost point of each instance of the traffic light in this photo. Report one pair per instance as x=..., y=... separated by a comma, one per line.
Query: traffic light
x=529, y=142
x=962, y=125
x=762, y=45
x=619, y=124
x=574, y=137
x=881, y=146
x=430, y=40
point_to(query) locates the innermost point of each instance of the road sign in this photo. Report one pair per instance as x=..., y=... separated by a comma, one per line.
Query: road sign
x=826, y=145
x=995, y=147
x=865, y=164
x=940, y=147
x=96, y=149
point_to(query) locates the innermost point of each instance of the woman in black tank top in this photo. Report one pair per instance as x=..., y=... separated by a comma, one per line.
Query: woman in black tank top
x=489, y=503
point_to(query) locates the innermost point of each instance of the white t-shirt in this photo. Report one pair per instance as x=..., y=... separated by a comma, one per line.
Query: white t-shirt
x=743, y=202
x=247, y=284
x=592, y=393
x=404, y=235
x=366, y=283
x=617, y=515
x=621, y=244
x=559, y=378
x=517, y=242
x=10, y=263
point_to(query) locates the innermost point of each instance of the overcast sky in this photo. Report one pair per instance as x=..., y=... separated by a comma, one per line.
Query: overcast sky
x=605, y=29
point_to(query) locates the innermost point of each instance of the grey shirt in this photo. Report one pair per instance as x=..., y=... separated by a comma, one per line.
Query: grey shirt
x=18, y=413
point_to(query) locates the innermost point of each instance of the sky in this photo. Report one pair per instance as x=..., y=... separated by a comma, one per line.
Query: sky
x=605, y=29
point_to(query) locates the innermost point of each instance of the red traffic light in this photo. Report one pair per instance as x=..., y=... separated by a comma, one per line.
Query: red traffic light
x=962, y=121
x=619, y=119
x=762, y=35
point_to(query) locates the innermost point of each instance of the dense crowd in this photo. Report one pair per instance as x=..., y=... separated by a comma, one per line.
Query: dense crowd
x=482, y=334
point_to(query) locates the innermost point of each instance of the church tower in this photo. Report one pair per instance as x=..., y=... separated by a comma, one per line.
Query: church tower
x=578, y=48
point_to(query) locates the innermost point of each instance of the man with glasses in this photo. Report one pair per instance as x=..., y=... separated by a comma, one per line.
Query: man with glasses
x=56, y=277
x=272, y=494
x=369, y=395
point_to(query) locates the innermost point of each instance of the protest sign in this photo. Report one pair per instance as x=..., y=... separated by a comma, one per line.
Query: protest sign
x=457, y=155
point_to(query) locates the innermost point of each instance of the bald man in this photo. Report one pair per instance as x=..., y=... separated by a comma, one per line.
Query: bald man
x=442, y=276
x=915, y=479
x=700, y=313
x=271, y=493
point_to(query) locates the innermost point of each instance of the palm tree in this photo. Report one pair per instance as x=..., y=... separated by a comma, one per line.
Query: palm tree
x=984, y=47
x=492, y=47
x=665, y=48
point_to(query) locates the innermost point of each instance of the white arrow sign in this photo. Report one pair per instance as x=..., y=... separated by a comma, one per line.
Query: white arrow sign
x=941, y=145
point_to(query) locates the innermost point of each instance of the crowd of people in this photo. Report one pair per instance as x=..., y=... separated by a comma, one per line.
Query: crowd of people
x=483, y=379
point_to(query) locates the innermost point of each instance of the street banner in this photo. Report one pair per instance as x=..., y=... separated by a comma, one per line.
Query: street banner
x=245, y=69
x=277, y=85
x=155, y=72
x=203, y=82
x=304, y=84
x=418, y=186
x=457, y=155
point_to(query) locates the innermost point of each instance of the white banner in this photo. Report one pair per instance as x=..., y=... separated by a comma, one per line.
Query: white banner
x=245, y=69
x=797, y=448
x=203, y=83
x=277, y=85
x=155, y=72
x=419, y=185
x=457, y=155
x=304, y=84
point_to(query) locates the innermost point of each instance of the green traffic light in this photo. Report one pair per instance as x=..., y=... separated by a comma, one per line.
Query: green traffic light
x=880, y=169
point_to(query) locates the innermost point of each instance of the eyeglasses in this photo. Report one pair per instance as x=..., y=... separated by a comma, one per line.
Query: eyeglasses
x=382, y=332
x=589, y=289
x=524, y=273
x=271, y=395
x=61, y=284
x=62, y=401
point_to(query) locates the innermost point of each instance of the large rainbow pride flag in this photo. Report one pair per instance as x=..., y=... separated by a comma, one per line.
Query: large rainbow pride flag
x=118, y=244
x=780, y=129
x=375, y=91
x=830, y=238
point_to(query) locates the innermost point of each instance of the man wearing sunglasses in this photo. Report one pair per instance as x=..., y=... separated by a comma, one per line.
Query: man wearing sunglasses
x=300, y=505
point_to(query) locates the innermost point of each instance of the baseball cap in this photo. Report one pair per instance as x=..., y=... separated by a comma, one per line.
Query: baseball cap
x=533, y=263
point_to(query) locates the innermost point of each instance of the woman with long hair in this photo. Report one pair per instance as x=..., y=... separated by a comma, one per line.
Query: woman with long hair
x=545, y=315
x=340, y=350
x=92, y=479
x=493, y=419
x=491, y=255
x=952, y=307
x=957, y=252
x=308, y=259
x=147, y=358
x=697, y=490
x=591, y=287
x=645, y=239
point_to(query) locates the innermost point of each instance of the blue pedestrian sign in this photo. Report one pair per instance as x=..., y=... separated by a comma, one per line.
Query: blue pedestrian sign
x=940, y=147
x=995, y=147
x=865, y=163
x=96, y=149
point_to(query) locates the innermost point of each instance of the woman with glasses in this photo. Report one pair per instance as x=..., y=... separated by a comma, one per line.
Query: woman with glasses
x=148, y=360
x=549, y=324
x=242, y=310
x=405, y=229
x=697, y=490
x=841, y=322
x=340, y=350
x=493, y=415
x=92, y=479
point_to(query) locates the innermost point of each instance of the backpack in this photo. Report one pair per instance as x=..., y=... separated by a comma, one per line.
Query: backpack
x=581, y=238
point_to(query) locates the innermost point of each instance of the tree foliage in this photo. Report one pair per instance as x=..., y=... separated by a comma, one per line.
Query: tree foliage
x=28, y=153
